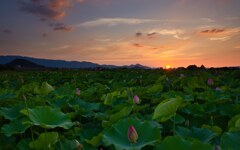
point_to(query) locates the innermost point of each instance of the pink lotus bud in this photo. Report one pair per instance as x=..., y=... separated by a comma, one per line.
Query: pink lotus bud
x=216, y=147
x=132, y=134
x=218, y=89
x=182, y=75
x=136, y=99
x=78, y=91
x=210, y=81
x=79, y=145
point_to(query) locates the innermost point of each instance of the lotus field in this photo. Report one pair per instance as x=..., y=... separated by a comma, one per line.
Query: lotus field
x=120, y=109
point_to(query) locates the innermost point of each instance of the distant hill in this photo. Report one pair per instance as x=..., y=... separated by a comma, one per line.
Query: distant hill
x=62, y=63
x=50, y=63
x=23, y=64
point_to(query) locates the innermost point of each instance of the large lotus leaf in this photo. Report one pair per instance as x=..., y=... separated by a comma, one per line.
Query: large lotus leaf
x=174, y=143
x=115, y=117
x=178, y=143
x=23, y=144
x=197, y=145
x=58, y=102
x=95, y=140
x=15, y=127
x=84, y=105
x=155, y=89
x=45, y=141
x=7, y=143
x=6, y=96
x=48, y=117
x=66, y=145
x=117, y=135
x=12, y=112
x=167, y=109
x=230, y=141
x=201, y=134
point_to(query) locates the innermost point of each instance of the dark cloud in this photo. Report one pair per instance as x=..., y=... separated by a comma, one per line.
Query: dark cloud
x=44, y=35
x=61, y=27
x=51, y=9
x=7, y=31
x=138, y=34
x=213, y=31
x=152, y=35
x=137, y=45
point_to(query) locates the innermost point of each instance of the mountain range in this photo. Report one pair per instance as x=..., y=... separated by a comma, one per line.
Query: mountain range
x=12, y=60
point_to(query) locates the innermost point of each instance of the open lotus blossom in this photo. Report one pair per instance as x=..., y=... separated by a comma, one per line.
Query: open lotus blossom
x=210, y=81
x=132, y=134
x=136, y=99
x=78, y=91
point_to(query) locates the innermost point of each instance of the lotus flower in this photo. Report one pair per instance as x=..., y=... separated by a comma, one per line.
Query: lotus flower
x=77, y=91
x=136, y=99
x=79, y=145
x=46, y=88
x=182, y=75
x=218, y=89
x=210, y=81
x=132, y=134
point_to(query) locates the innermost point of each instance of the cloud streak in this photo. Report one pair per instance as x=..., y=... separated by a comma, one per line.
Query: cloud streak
x=115, y=22
x=216, y=34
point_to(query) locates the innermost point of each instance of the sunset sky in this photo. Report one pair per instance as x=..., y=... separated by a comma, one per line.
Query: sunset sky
x=150, y=32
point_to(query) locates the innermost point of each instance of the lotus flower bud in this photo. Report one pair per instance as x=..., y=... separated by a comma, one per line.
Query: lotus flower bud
x=132, y=134
x=79, y=145
x=182, y=75
x=77, y=91
x=136, y=99
x=46, y=88
x=216, y=147
x=218, y=89
x=210, y=81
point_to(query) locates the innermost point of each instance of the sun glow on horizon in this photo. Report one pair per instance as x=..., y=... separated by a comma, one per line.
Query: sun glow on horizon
x=167, y=67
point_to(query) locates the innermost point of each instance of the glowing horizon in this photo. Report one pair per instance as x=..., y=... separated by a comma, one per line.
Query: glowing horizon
x=152, y=33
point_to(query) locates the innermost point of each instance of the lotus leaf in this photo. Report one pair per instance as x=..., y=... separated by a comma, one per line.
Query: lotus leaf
x=148, y=134
x=11, y=113
x=167, y=109
x=48, y=117
x=15, y=127
x=45, y=141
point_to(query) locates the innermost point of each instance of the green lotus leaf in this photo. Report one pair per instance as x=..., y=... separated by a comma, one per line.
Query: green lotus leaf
x=117, y=135
x=66, y=144
x=230, y=141
x=45, y=141
x=12, y=112
x=48, y=117
x=95, y=140
x=23, y=144
x=201, y=134
x=84, y=105
x=178, y=143
x=197, y=145
x=167, y=109
x=115, y=117
x=173, y=143
x=215, y=129
x=155, y=89
x=6, y=96
x=15, y=127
